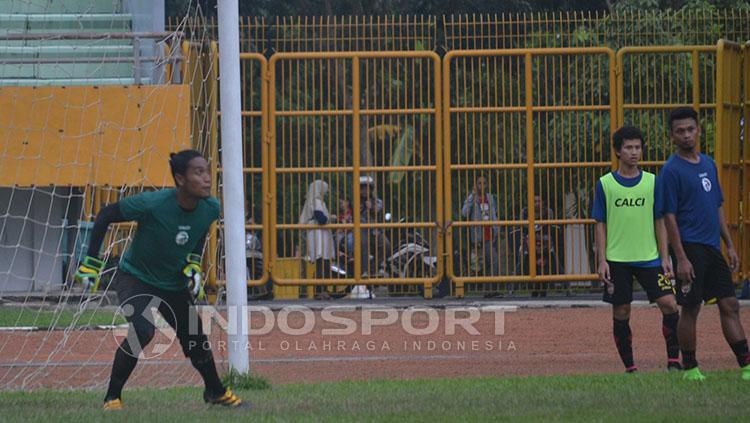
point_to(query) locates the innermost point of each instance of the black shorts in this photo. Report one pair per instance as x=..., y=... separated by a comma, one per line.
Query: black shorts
x=651, y=279
x=713, y=279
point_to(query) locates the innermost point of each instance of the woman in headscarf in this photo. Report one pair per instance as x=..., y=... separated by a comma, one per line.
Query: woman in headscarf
x=319, y=242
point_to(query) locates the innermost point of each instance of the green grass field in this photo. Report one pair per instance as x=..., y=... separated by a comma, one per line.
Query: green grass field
x=654, y=396
x=47, y=318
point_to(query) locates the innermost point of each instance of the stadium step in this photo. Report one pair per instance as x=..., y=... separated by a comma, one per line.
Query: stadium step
x=46, y=51
x=30, y=82
x=10, y=23
x=84, y=71
x=60, y=6
x=66, y=17
x=56, y=22
x=25, y=70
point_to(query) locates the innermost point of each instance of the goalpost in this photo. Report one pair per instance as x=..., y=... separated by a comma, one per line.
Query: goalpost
x=93, y=97
x=234, y=208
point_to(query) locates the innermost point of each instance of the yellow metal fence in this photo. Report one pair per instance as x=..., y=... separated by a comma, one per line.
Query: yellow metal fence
x=485, y=160
x=744, y=246
x=533, y=126
x=526, y=137
x=487, y=157
x=728, y=149
x=482, y=31
x=653, y=80
x=366, y=124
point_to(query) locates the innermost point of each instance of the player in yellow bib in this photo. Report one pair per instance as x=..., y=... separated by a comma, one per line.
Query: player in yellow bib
x=631, y=242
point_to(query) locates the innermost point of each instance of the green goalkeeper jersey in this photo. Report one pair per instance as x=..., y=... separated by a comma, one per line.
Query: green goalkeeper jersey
x=166, y=234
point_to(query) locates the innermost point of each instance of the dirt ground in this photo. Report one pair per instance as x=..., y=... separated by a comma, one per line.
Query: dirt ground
x=547, y=341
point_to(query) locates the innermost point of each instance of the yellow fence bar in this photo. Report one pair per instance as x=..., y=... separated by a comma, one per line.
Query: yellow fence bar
x=366, y=123
x=526, y=131
x=213, y=241
x=482, y=31
x=727, y=153
x=534, y=124
x=653, y=80
x=591, y=28
x=354, y=33
x=254, y=68
x=744, y=246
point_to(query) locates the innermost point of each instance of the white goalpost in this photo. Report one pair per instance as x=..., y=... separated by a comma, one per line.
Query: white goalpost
x=234, y=207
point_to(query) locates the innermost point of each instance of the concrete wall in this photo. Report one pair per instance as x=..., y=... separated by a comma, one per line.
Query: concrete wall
x=33, y=246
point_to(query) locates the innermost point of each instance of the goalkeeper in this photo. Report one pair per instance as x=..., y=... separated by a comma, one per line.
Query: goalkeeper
x=157, y=268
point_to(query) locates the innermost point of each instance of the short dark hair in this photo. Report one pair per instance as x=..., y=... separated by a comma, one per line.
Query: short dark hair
x=627, y=133
x=682, y=113
x=178, y=162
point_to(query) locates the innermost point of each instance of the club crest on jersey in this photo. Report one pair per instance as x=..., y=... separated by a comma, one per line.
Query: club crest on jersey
x=181, y=238
x=706, y=184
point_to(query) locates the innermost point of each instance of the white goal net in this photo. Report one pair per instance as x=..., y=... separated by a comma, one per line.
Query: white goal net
x=94, y=95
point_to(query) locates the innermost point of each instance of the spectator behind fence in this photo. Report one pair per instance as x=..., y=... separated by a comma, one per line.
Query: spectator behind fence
x=547, y=237
x=540, y=211
x=254, y=259
x=371, y=207
x=253, y=249
x=345, y=237
x=480, y=206
x=318, y=241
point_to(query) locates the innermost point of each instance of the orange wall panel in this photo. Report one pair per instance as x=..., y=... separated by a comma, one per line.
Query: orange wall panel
x=115, y=135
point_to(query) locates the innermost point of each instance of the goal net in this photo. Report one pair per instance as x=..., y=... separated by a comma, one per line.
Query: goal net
x=94, y=95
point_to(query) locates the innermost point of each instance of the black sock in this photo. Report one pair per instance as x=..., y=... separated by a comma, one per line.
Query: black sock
x=624, y=341
x=207, y=368
x=688, y=360
x=741, y=352
x=122, y=367
x=669, y=330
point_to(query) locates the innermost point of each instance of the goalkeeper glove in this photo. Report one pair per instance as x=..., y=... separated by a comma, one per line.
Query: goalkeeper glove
x=89, y=272
x=194, y=274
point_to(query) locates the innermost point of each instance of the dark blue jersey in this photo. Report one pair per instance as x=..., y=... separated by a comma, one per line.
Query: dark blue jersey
x=692, y=193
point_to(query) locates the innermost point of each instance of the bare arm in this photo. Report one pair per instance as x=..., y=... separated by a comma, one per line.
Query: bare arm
x=662, y=243
x=684, y=267
x=673, y=234
x=601, y=255
x=601, y=242
x=734, y=262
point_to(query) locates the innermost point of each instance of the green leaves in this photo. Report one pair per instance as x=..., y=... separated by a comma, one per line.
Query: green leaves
x=402, y=153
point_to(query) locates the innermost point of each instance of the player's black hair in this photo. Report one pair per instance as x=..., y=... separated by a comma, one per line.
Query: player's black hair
x=627, y=133
x=682, y=113
x=178, y=162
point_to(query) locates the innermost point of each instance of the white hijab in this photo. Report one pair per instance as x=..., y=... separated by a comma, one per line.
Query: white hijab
x=314, y=201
